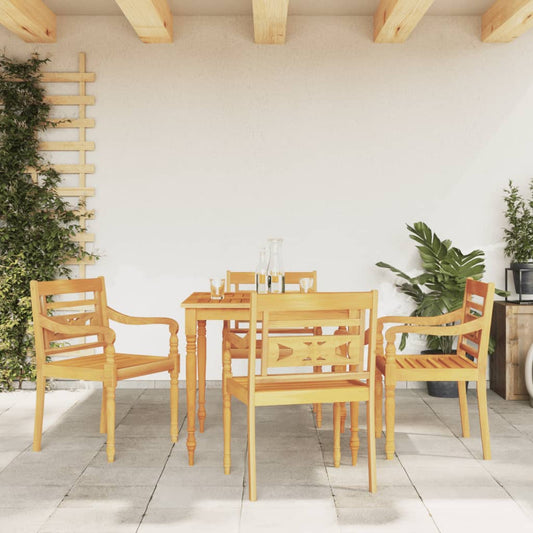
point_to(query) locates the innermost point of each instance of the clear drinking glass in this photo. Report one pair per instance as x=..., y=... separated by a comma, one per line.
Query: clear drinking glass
x=217, y=286
x=306, y=284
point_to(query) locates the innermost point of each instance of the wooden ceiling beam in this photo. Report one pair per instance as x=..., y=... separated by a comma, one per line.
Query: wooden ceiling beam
x=31, y=20
x=151, y=19
x=394, y=20
x=270, y=21
x=506, y=20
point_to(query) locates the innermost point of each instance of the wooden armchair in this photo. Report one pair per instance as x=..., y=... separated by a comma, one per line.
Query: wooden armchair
x=353, y=381
x=471, y=324
x=72, y=317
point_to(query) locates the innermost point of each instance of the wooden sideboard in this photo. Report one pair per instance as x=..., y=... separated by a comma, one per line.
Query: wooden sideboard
x=512, y=329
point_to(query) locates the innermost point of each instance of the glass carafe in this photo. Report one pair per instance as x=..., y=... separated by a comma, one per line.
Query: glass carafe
x=276, y=272
x=261, y=273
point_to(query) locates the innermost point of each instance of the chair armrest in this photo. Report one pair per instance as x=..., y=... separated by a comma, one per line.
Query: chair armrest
x=83, y=331
x=139, y=321
x=440, y=331
x=422, y=320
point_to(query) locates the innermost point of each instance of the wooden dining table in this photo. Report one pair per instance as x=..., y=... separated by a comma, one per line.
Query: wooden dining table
x=199, y=308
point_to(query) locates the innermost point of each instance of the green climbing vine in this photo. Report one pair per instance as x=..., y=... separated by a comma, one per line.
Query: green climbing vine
x=36, y=224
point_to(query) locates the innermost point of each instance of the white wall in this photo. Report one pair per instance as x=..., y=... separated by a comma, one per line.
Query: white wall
x=207, y=146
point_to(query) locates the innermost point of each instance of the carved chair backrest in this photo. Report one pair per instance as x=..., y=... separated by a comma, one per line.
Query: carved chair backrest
x=78, y=302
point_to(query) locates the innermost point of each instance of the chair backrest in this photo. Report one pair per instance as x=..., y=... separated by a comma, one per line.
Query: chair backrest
x=239, y=281
x=343, y=319
x=77, y=302
x=477, y=305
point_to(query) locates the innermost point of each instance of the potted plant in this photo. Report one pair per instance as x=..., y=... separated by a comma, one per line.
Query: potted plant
x=519, y=237
x=438, y=289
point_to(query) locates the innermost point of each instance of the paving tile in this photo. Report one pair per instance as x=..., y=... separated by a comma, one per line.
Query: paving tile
x=319, y=517
x=192, y=497
x=107, y=498
x=190, y=521
x=202, y=476
x=112, y=474
x=481, y=509
x=120, y=519
x=23, y=519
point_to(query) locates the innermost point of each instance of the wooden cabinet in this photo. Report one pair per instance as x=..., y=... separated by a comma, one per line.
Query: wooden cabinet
x=512, y=329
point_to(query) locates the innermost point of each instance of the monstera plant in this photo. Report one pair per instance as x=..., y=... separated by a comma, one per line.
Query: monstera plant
x=440, y=287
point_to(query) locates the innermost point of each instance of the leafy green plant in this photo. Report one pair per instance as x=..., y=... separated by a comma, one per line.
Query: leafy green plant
x=37, y=225
x=519, y=235
x=440, y=287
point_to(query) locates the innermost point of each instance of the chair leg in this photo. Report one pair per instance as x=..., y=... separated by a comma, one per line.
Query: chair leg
x=39, y=412
x=317, y=407
x=463, y=407
x=354, y=428
x=103, y=411
x=110, y=449
x=226, y=420
x=174, y=405
x=371, y=442
x=379, y=404
x=389, y=419
x=483, y=418
x=252, y=479
x=336, y=434
x=343, y=417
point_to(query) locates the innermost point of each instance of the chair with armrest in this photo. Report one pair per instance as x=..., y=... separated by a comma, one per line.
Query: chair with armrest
x=471, y=324
x=353, y=381
x=71, y=322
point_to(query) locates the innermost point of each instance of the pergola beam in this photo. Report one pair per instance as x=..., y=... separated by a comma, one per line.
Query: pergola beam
x=506, y=20
x=151, y=19
x=31, y=20
x=394, y=20
x=270, y=21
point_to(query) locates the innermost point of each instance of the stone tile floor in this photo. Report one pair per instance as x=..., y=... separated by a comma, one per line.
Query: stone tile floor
x=436, y=483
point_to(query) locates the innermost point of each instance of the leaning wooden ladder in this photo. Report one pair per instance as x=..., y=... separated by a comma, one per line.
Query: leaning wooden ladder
x=80, y=122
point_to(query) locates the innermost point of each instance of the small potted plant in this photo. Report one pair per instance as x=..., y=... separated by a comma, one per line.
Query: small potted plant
x=438, y=289
x=519, y=237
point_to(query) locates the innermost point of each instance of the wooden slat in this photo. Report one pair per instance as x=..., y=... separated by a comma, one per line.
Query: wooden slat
x=75, y=191
x=73, y=123
x=151, y=19
x=66, y=146
x=83, y=237
x=505, y=20
x=70, y=303
x=89, y=261
x=74, y=169
x=31, y=20
x=394, y=20
x=63, y=99
x=270, y=21
x=59, y=77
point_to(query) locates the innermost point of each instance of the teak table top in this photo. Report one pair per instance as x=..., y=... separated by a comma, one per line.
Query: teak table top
x=201, y=300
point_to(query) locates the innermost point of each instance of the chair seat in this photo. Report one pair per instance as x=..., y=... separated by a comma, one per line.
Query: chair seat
x=299, y=392
x=431, y=367
x=127, y=365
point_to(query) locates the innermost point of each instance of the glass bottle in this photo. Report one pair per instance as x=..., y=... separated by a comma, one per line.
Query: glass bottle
x=276, y=273
x=261, y=273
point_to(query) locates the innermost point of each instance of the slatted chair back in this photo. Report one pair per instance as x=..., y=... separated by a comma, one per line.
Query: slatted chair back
x=477, y=305
x=79, y=302
x=342, y=319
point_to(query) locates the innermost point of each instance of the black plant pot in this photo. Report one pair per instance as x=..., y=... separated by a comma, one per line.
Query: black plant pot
x=442, y=389
x=523, y=277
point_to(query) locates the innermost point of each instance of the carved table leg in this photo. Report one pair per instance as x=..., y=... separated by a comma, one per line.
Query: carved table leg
x=201, y=374
x=190, y=333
